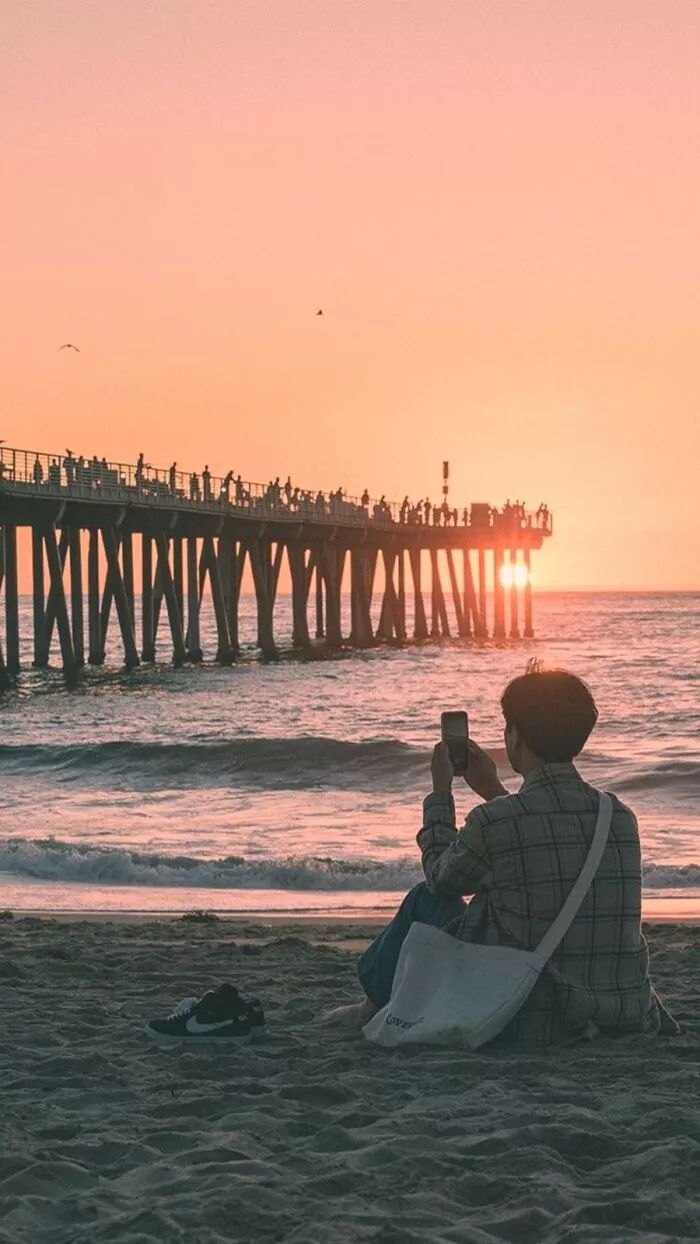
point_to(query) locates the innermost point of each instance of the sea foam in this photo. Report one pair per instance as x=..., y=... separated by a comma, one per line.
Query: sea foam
x=51, y=860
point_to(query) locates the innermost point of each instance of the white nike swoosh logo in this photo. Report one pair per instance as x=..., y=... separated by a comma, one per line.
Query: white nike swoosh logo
x=193, y=1025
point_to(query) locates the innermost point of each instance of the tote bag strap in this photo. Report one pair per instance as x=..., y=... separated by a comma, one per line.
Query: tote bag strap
x=560, y=926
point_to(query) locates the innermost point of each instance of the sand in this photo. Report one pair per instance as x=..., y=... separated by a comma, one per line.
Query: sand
x=312, y=1134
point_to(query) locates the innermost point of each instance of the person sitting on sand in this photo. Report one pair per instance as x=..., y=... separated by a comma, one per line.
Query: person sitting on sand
x=519, y=856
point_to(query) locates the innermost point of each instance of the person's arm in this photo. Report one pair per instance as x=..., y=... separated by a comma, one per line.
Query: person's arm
x=456, y=863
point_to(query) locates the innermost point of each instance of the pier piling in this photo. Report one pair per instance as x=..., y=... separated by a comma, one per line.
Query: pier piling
x=148, y=639
x=41, y=646
x=76, y=597
x=167, y=587
x=514, y=631
x=11, y=599
x=95, y=645
x=499, y=605
x=527, y=593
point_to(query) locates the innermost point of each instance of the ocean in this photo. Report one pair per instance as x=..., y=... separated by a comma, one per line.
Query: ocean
x=296, y=786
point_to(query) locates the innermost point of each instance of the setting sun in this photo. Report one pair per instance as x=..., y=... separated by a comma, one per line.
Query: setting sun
x=515, y=576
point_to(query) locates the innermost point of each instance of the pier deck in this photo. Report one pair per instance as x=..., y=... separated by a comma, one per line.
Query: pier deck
x=89, y=520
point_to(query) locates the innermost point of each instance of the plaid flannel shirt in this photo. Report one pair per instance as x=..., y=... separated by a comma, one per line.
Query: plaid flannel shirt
x=519, y=855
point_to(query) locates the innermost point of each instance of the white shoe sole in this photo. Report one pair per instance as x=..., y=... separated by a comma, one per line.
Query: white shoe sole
x=190, y=1039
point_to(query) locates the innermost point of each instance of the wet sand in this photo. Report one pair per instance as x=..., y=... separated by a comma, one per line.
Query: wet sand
x=312, y=1135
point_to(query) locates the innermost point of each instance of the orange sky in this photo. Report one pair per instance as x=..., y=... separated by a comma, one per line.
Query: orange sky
x=495, y=203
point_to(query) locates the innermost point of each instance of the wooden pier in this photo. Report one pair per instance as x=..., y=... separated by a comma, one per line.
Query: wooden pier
x=97, y=527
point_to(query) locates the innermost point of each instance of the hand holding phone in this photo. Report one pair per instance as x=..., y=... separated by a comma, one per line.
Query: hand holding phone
x=482, y=775
x=455, y=733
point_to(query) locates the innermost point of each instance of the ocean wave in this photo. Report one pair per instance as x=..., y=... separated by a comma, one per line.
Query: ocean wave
x=304, y=763
x=51, y=860
x=269, y=763
x=680, y=774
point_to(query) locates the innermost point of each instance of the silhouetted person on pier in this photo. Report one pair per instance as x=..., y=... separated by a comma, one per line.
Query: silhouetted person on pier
x=240, y=491
x=226, y=486
x=172, y=479
x=139, y=471
x=403, y=512
x=69, y=467
x=465, y=516
x=38, y=472
x=365, y=498
x=426, y=511
x=194, y=487
x=206, y=483
x=288, y=489
x=54, y=474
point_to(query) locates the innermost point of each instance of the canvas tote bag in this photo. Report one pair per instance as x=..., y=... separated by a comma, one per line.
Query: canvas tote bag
x=446, y=991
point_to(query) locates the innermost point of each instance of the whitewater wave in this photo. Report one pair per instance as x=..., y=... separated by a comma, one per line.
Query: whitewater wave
x=51, y=860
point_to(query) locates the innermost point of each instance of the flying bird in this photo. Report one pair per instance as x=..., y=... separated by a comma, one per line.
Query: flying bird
x=69, y=346
x=319, y=312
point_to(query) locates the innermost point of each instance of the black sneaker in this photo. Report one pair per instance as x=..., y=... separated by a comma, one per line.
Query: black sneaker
x=255, y=1013
x=250, y=1007
x=219, y=1017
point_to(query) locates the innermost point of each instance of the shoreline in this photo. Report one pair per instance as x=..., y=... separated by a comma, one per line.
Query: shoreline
x=664, y=913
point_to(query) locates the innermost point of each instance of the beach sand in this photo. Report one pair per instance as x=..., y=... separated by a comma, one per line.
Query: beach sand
x=313, y=1135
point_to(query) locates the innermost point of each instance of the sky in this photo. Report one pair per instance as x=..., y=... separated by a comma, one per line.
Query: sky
x=495, y=204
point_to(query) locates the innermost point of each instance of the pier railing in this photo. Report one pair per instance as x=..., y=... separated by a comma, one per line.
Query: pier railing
x=64, y=475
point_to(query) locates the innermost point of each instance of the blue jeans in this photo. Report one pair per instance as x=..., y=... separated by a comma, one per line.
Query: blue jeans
x=376, y=966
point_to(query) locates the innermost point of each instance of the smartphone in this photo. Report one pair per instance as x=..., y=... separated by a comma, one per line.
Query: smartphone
x=455, y=732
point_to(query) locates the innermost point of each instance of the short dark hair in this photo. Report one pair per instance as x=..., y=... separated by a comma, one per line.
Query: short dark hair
x=552, y=710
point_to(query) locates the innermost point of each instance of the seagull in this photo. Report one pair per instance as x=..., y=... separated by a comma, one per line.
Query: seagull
x=69, y=346
x=319, y=312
